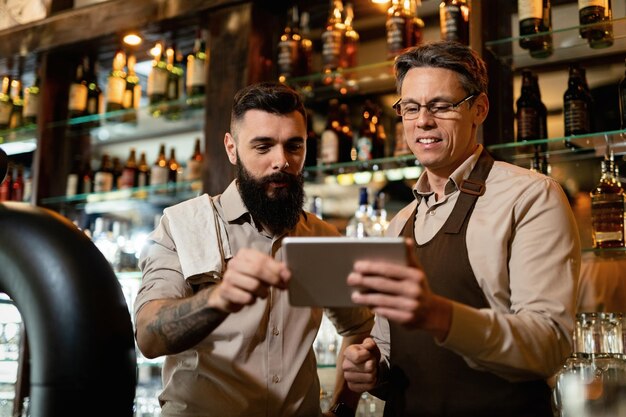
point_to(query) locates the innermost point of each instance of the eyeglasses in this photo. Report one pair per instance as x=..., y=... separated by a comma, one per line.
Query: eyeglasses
x=411, y=111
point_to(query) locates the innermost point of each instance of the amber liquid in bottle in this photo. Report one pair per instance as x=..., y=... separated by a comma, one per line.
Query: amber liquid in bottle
x=535, y=16
x=607, y=211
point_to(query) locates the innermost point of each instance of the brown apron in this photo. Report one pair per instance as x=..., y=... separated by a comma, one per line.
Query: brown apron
x=429, y=380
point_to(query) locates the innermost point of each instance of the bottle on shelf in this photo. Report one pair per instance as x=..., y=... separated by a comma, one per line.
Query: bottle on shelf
x=175, y=82
x=175, y=169
x=367, y=134
x=289, y=47
x=103, y=178
x=312, y=143
x=17, y=193
x=306, y=46
x=535, y=17
x=595, y=18
x=77, y=103
x=607, y=210
x=116, y=83
x=158, y=78
x=527, y=115
x=197, y=68
x=576, y=105
x=360, y=223
x=143, y=171
x=400, y=145
x=72, y=182
x=454, y=19
x=87, y=181
x=6, y=186
x=543, y=112
x=94, y=93
x=6, y=104
x=31, y=99
x=118, y=169
x=622, y=101
x=132, y=91
x=380, y=139
x=350, y=42
x=159, y=173
x=128, y=179
x=397, y=28
x=347, y=152
x=332, y=39
x=378, y=216
x=329, y=141
x=194, y=164
x=17, y=97
x=416, y=26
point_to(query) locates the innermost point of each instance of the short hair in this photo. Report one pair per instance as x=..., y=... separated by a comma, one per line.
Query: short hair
x=449, y=55
x=271, y=97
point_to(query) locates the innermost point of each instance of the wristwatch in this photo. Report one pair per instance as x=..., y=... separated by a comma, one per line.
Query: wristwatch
x=342, y=410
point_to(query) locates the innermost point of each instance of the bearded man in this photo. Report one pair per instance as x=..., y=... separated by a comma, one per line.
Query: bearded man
x=213, y=299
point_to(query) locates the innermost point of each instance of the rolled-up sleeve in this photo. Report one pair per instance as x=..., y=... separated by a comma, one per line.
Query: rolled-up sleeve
x=161, y=272
x=351, y=321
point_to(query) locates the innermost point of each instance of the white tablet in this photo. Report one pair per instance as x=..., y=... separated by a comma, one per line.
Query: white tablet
x=321, y=265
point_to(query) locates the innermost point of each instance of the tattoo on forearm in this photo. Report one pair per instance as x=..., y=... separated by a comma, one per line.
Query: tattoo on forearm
x=185, y=324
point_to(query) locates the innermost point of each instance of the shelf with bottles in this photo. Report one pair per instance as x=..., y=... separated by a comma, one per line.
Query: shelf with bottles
x=359, y=172
x=567, y=45
x=109, y=201
x=568, y=148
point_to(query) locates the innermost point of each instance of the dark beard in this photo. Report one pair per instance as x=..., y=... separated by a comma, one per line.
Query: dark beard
x=278, y=213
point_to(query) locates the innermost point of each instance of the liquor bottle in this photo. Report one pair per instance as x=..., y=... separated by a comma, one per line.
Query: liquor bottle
x=129, y=172
x=143, y=171
x=543, y=110
x=305, y=53
x=31, y=100
x=622, y=101
x=17, y=97
x=6, y=186
x=329, y=141
x=359, y=223
x=347, y=152
x=378, y=216
x=77, y=103
x=72, y=182
x=527, y=114
x=350, y=42
x=576, y=104
x=103, y=178
x=197, y=68
x=87, y=178
x=132, y=91
x=380, y=140
x=332, y=39
x=367, y=134
x=173, y=167
x=94, y=93
x=454, y=19
x=288, y=47
x=6, y=104
x=607, y=210
x=116, y=83
x=535, y=17
x=194, y=164
x=396, y=27
x=312, y=144
x=595, y=18
x=118, y=168
x=159, y=173
x=175, y=82
x=17, y=193
x=416, y=26
x=158, y=77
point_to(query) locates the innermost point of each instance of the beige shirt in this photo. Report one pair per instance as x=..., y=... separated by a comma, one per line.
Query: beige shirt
x=524, y=250
x=259, y=361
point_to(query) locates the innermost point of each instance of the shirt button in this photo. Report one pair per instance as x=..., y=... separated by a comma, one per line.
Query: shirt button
x=275, y=331
x=276, y=379
x=431, y=212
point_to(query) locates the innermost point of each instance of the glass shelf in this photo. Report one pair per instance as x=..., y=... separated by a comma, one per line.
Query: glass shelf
x=567, y=44
x=162, y=194
x=364, y=79
x=179, y=116
x=569, y=148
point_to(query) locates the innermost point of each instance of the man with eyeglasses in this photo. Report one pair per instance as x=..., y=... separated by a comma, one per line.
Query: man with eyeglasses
x=483, y=313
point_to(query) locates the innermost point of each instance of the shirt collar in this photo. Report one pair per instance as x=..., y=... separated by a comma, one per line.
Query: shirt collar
x=232, y=204
x=422, y=189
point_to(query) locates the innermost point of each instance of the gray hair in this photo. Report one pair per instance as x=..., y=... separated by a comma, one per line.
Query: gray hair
x=449, y=55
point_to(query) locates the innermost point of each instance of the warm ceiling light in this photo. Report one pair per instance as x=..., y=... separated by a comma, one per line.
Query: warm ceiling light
x=380, y=1
x=132, y=39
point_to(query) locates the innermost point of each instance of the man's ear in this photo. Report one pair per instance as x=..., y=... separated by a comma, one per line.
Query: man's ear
x=482, y=108
x=231, y=148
